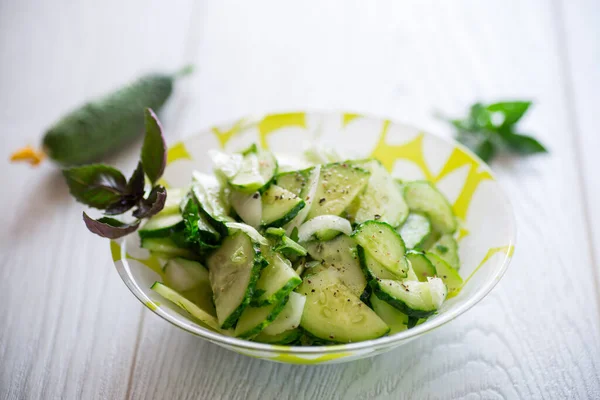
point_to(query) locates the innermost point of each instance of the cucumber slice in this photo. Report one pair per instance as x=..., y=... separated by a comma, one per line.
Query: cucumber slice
x=248, y=206
x=421, y=265
x=332, y=312
x=162, y=225
x=341, y=255
x=286, y=337
x=295, y=181
x=254, y=319
x=182, y=274
x=415, y=230
x=372, y=269
x=277, y=232
x=234, y=269
x=339, y=184
x=422, y=196
x=279, y=206
x=384, y=244
x=167, y=247
x=448, y=274
x=276, y=281
x=174, y=197
x=290, y=317
x=228, y=165
x=416, y=299
x=411, y=275
x=381, y=199
x=202, y=296
x=307, y=194
x=198, y=313
x=256, y=172
x=289, y=248
x=447, y=249
x=394, y=318
x=209, y=195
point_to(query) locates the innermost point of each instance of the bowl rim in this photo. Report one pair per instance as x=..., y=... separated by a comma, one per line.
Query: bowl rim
x=442, y=319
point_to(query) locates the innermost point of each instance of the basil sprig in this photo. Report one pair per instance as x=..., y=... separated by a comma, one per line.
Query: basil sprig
x=490, y=129
x=105, y=188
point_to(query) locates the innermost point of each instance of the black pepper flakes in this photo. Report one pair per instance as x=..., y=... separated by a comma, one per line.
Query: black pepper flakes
x=322, y=200
x=255, y=195
x=377, y=216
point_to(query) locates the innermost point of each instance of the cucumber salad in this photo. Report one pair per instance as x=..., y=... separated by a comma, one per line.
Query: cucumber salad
x=325, y=251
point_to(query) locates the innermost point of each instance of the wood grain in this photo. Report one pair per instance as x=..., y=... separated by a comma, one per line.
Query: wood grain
x=70, y=329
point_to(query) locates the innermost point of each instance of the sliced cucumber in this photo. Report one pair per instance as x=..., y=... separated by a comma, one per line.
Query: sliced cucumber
x=248, y=206
x=339, y=184
x=279, y=206
x=234, y=269
x=256, y=172
x=372, y=269
x=415, y=230
x=421, y=265
x=198, y=313
x=447, y=249
x=174, y=197
x=254, y=319
x=182, y=274
x=228, y=165
x=286, y=337
x=381, y=199
x=276, y=281
x=422, y=196
x=209, y=195
x=448, y=274
x=289, y=248
x=416, y=299
x=202, y=296
x=295, y=181
x=332, y=312
x=384, y=244
x=394, y=318
x=167, y=247
x=290, y=317
x=341, y=255
x=162, y=225
x=277, y=232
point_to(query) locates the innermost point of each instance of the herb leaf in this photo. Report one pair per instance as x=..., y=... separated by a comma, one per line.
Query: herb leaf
x=524, y=144
x=109, y=227
x=153, y=204
x=512, y=111
x=96, y=185
x=485, y=150
x=191, y=217
x=154, y=149
x=136, y=183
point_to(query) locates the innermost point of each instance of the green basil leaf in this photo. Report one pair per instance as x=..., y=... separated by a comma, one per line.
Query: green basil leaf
x=109, y=227
x=485, y=150
x=96, y=185
x=294, y=234
x=154, y=149
x=512, y=111
x=153, y=204
x=191, y=217
x=479, y=117
x=524, y=144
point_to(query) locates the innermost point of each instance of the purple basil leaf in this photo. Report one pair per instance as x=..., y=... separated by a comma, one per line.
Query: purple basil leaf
x=96, y=185
x=136, y=183
x=122, y=205
x=153, y=204
x=154, y=150
x=109, y=227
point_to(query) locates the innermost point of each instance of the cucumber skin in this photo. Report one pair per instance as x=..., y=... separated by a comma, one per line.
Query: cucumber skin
x=287, y=217
x=285, y=338
x=107, y=124
x=259, y=264
x=400, y=305
x=270, y=318
x=277, y=296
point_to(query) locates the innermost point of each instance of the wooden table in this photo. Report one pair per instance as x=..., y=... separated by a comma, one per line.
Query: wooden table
x=69, y=328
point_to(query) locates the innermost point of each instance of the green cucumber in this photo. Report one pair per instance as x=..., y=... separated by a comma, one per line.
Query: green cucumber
x=279, y=206
x=283, y=338
x=167, y=247
x=182, y=274
x=448, y=274
x=257, y=169
x=208, y=193
x=102, y=126
x=294, y=181
x=174, y=198
x=447, y=249
x=415, y=230
x=254, y=319
x=381, y=199
x=197, y=312
x=394, y=318
x=384, y=244
x=234, y=269
x=421, y=265
x=372, y=269
x=416, y=299
x=276, y=281
x=339, y=184
x=422, y=196
x=290, y=316
x=161, y=226
x=277, y=232
x=333, y=313
x=341, y=255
